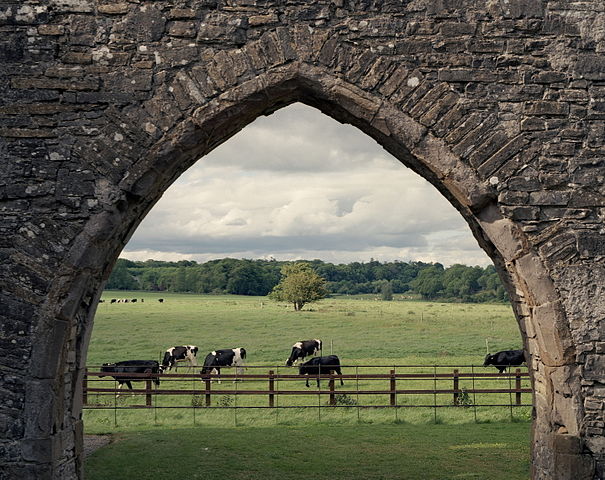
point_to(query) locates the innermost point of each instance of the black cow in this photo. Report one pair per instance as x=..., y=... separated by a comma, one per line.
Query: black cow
x=321, y=366
x=161, y=300
x=134, y=300
x=301, y=349
x=506, y=358
x=228, y=357
x=131, y=366
x=114, y=300
x=181, y=353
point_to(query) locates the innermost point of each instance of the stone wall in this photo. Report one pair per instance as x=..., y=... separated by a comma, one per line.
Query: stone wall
x=499, y=104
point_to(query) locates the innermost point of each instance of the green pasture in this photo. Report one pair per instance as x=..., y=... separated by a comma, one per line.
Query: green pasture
x=360, y=441
x=360, y=331
x=432, y=337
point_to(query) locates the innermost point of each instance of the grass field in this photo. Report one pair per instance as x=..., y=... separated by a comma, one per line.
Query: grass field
x=360, y=452
x=361, y=332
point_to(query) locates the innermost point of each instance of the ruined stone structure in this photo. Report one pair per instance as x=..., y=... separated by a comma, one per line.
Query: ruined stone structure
x=498, y=103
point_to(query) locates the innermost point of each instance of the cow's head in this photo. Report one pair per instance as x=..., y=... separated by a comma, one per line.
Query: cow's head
x=489, y=360
x=107, y=367
x=295, y=355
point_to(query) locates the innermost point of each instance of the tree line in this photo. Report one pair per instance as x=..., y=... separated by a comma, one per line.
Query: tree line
x=258, y=277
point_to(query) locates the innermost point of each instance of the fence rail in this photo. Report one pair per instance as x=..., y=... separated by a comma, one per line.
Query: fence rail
x=207, y=386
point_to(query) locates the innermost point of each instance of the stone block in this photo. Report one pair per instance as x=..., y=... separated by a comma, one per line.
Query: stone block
x=594, y=368
x=531, y=269
x=182, y=29
x=546, y=108
x=55, y=84
x=82, y=58
x=114, y=9
x=356, y=102
x=501, y=232
x=466, y=75
x=51, y=30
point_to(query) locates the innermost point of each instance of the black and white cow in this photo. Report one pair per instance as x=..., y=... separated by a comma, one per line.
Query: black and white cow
x=302, y=349
x=321, y=366
x=228, y=357
x=131, y=366
x=504, y=359
x=180, y=353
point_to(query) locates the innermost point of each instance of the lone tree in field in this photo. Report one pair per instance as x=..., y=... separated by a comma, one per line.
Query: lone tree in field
x=299, y=285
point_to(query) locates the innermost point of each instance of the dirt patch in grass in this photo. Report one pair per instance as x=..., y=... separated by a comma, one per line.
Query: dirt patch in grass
x=94, y=442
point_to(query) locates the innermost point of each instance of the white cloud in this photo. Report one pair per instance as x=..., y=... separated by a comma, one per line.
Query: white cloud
x=298, y=184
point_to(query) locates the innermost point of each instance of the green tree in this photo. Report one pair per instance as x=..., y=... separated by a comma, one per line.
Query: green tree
x=121, y=278
x=429, y=282
x=386, y=291
x=299, y=285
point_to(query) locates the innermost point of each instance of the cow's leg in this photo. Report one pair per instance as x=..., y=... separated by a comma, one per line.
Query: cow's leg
x=339, y=372
x=307, y=382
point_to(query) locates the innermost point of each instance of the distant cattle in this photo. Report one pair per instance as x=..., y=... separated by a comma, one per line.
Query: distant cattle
x=321, y=366
x=302, y=349
x=181, y=353
x=101, y=300
x=161, y=300
x=131, y=366
x=506, y=358
x=134, y=300
x=228, y=357
x=113, y=300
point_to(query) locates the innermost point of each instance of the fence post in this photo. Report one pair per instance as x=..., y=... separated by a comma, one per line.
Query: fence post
x=207, y=391
x=518, y=386
x=148, y=392
x=456, y=386
x=331, y=384
x=85, y=387
x=392, y=385
x=271, y=389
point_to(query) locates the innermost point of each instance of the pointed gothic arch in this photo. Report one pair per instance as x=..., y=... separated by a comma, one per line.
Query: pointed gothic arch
x=142, y=118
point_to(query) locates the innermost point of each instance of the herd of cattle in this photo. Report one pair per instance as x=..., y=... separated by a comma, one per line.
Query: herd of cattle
x=234, y=357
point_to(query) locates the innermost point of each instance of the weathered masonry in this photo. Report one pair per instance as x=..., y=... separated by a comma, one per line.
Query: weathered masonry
x=500, y=104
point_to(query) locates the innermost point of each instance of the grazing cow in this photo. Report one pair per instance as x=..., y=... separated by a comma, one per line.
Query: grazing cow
x=321, y=366
x=301, y=349
x=228, y=357
x=134, y=300
x=113, y=300
x=504, y=359
x=161, y=300
x=181, y=353
x=131, y=366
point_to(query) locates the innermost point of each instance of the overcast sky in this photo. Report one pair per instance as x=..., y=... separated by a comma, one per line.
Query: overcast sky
x=299, y=185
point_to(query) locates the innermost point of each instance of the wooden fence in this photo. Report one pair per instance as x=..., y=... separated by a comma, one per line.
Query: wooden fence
x=395, y=383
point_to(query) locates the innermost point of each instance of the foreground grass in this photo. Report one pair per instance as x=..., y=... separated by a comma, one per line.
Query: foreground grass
x=334, y=452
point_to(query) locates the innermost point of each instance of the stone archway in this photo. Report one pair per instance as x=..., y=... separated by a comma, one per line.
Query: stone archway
x=106, y=104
